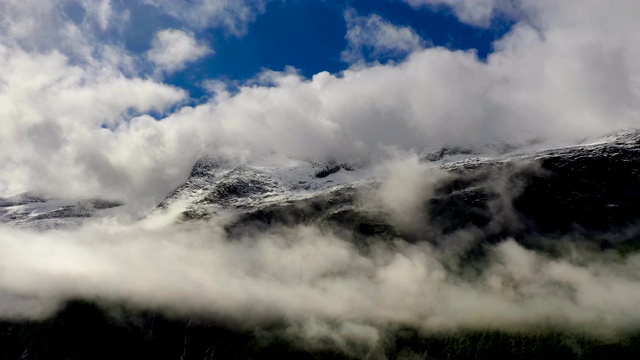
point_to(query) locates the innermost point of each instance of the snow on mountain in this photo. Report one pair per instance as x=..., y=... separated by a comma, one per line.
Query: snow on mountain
x=219, y=183
x=40, y=212
x=588, y=187
x=453, y=153
x=216, y=184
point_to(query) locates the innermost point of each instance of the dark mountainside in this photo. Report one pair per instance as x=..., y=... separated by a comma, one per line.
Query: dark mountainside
x=588, y=194
x=86, y=331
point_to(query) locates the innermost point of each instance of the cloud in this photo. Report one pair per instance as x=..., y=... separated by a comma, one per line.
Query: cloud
x=103, y=12
x=173, y=49
x=554, y=76
x=407, y=183
x=474, y=12
x=376, y=37
x=306, y=276
x=57, y=112
x=233, y=15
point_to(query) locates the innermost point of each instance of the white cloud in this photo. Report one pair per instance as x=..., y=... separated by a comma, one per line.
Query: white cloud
x=475, y=12
x=556, y=76
x=54, y=113
x=304, y=274
x=173, y=49
x=379, y=37
x=39, y=27
x=233, y=15
x=102, y=11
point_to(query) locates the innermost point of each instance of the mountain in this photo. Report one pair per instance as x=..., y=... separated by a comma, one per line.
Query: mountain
x=219, y=185
x=588, y=190
x=496, y=191
x=42, y=212
x=585, y=193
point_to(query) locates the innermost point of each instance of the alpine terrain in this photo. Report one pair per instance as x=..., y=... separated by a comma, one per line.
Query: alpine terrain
x=467, y=204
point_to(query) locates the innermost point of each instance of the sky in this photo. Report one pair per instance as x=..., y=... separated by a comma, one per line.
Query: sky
x=319, y=39
x=120, y=98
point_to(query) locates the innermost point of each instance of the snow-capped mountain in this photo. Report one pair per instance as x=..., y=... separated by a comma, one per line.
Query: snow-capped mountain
x=41, y=212
x=581, y=188
x=218, y=184
x=499, y=191
x=453, y=153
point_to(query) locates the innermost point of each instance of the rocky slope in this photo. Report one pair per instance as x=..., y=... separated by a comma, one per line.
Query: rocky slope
x=587, y=191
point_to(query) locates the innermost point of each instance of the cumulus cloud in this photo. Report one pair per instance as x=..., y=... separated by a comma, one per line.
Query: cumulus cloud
x=377, y=37
x=34, y=26
x=57, y=114
x=554, y=76
x=173, y=49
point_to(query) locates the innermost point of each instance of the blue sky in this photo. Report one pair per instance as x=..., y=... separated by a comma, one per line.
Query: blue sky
x=309, y=36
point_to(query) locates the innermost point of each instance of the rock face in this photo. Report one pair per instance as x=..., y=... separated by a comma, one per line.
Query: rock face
x=587, y=191
x=218, y=185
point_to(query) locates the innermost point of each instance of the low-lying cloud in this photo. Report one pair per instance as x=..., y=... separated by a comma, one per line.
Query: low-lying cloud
x=304, y=273
x=307, y=276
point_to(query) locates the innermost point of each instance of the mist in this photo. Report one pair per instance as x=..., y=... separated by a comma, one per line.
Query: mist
x=304, y=273
x=307, y=276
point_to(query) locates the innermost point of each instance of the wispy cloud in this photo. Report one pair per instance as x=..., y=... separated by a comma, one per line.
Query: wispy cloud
x=233, y=15
x=474, y=12
x=374, y=36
